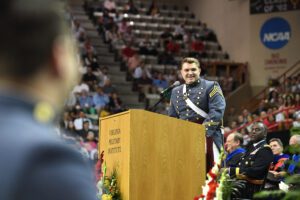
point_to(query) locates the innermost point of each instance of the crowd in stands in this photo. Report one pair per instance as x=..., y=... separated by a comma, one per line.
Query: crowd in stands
x=93, y=97
x=150, y=58
x=279, y=110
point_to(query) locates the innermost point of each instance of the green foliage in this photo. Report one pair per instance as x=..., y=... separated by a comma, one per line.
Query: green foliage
x=110, y=187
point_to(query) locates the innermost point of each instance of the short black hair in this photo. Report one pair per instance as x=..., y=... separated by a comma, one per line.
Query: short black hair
x=29, y=29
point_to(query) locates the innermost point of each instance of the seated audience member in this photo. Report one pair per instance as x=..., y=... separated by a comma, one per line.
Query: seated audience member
x=123, y=26
x=254, y=164
x=159, y=83
x=127, y=52
x=86, y=127
x=130, y=8
x=144, y=85
x=109, y=5
x=78, y=122
x=273, y=179
x=153, y=9
x=166, y=58
x=81, y=86
x=234, y=150
x=179, y=31
x=90, y=60
x=89, y=146
x=147, y=47
x=296, y=123
x=197, y=47
x=100, y=99
x=173, y=47
x=115, y=103
x=293, y=167
x=85, y=100
x=108, y=88
x=89, y=77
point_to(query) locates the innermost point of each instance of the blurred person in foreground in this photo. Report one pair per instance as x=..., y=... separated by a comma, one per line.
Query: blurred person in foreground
x=37, y=69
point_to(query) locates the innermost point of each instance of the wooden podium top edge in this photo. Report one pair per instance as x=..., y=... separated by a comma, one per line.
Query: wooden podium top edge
x=122, y=113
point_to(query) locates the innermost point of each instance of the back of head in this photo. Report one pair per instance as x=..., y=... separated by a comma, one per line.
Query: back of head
x=28, y=31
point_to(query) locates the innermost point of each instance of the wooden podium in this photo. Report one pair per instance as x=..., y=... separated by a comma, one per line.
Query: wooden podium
x=157, y=157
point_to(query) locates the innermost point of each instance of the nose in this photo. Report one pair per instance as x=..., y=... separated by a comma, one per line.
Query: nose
x=190, y=72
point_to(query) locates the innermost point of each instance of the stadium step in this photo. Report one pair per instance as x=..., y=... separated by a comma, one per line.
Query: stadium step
x=118, y=79
x=103, y=51
x=97, y=42
x=88, y=26
x=82, y=18
x=114, y=69
x=135, y=106
x=78, y=12
x=92, y=33
x=123, y=90
x=129, y=99
x=106, y=60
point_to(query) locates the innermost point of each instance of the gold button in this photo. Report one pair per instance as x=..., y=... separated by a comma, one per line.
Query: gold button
x=187, y=114
x=199, y=92
x=187, y=109
x=177, y=91
x=177, y=107
x=198, y=97
x=202, y=88
x=197, y=118
x=177, y=101
x=190, y=90
x=197, y=103
x=246, y=162
x=177, y=96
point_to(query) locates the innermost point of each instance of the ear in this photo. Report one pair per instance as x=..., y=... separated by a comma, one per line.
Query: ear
x=57, y=57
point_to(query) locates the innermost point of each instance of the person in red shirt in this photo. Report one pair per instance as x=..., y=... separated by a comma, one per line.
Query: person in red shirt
x=173, y=47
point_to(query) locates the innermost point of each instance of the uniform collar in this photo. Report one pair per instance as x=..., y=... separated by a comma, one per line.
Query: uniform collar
x=258, y=143
x=194, y=84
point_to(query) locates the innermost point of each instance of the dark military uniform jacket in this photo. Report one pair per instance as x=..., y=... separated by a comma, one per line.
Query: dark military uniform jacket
x=255, y=163
x=208, y=96
x=253, y=167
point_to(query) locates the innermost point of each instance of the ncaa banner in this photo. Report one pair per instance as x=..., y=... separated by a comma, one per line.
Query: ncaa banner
x=275, y=33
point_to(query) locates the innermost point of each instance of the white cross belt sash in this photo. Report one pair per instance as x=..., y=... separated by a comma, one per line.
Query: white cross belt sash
x=198, y=110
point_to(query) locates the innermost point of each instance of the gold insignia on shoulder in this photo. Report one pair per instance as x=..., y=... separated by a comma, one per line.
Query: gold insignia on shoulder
x=43, y=112
x=215, y=90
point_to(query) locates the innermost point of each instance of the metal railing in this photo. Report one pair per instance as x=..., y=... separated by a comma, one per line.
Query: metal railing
x=254, y=101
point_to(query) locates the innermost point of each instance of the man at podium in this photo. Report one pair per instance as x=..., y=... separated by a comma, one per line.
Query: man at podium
x=200, y=101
